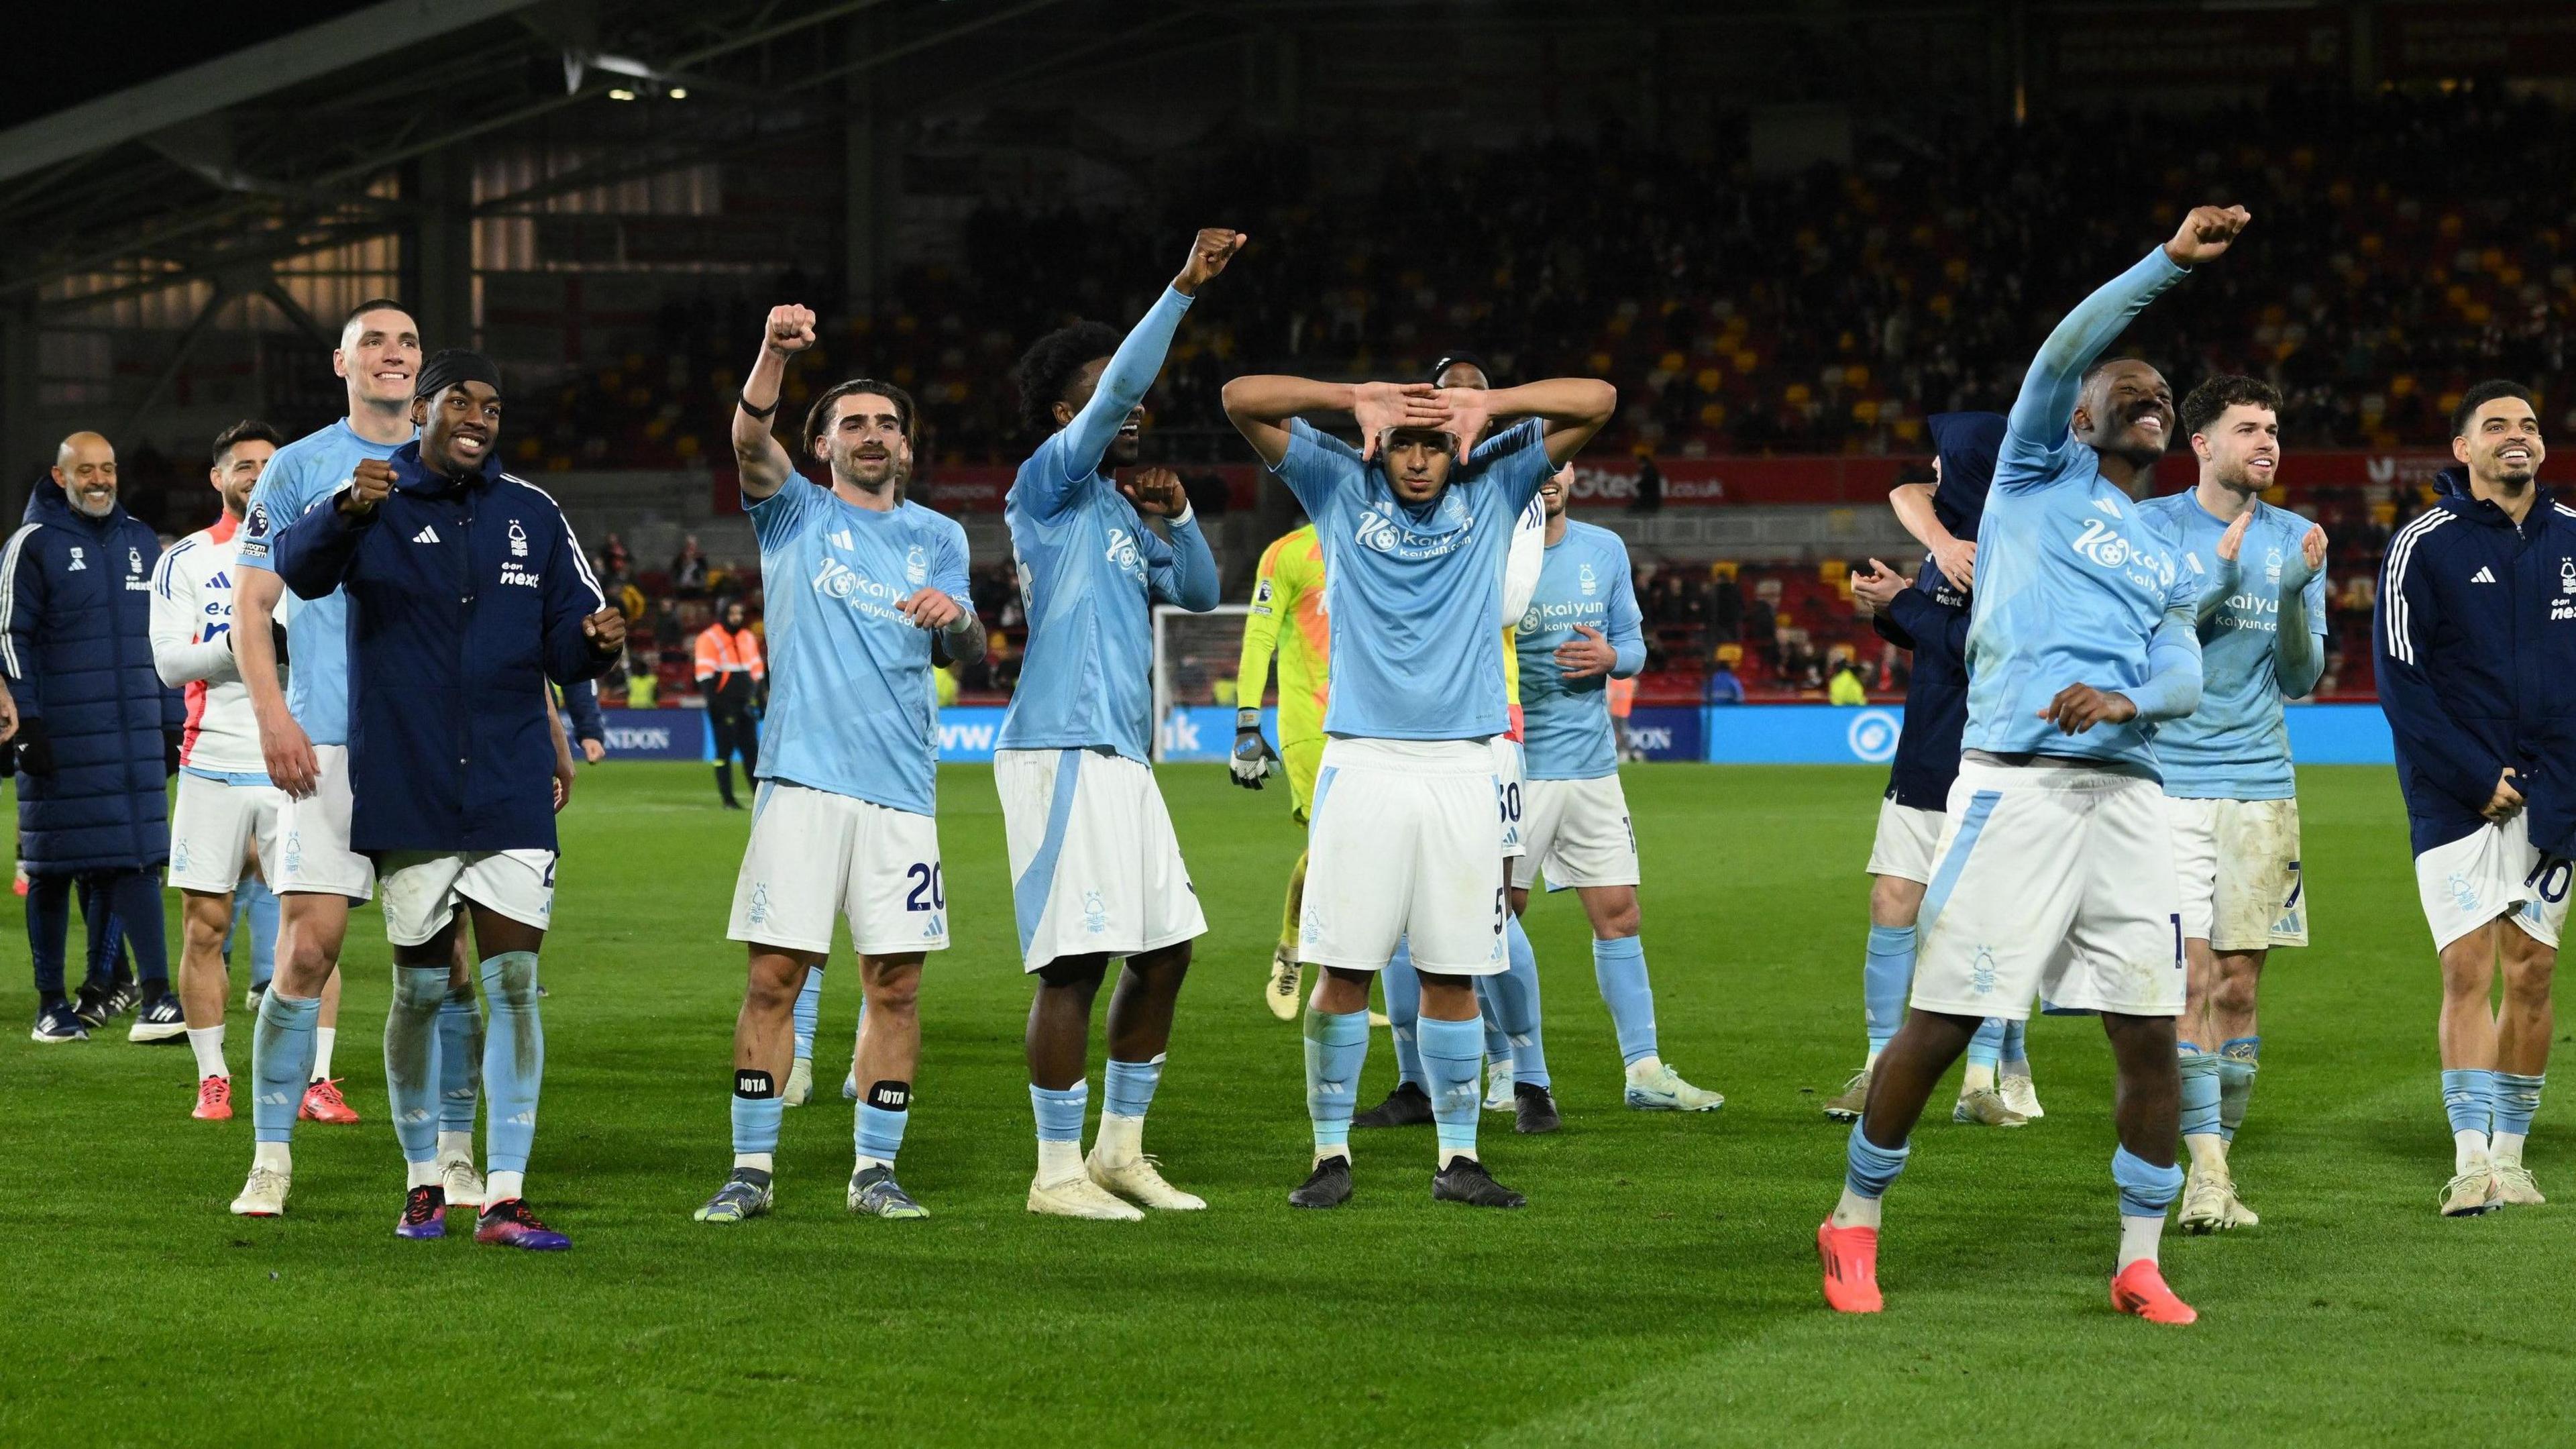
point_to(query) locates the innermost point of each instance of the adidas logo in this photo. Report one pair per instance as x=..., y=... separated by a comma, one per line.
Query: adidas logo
x=426, y=535
x=2484, y=575
x=2107, y=506
x=841, y=539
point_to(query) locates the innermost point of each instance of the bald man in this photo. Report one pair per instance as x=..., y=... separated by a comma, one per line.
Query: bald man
x=96, y=742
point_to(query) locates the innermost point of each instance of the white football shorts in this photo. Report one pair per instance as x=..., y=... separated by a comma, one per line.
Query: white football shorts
x=214, y=827
x=815, y=854
x=2488, y=873
x=1095, y=866
x=2238, y=867
x=1511, y=793
x=1905, y=840
x=423, y=888
x=2055, y=880
x=1577, y=833
x=313, y=853
x=1402, y=844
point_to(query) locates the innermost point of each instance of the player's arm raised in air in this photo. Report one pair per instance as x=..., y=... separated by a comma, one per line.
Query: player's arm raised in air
x=1262, y=405
x=763, y=464
x=2439, y=750
x=1574, y=408
x=2041, y=414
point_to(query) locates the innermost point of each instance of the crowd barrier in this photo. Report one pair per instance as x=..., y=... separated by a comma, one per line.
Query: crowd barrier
x=1759, y=734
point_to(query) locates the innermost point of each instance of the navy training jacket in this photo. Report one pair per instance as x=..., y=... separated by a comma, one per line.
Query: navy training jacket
x=465, y=597
x=1931, y=619
x=2475, y=633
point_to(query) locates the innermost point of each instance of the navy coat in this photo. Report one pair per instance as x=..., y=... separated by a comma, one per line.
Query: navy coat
x=465, y=597
x=76, y=599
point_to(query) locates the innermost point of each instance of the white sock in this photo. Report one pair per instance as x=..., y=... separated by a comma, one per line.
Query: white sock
x=756, y=1161
x=272, y=1155
x=208, y=1043
x=2139, y=1236
x=1322, y=1157
x=1121, y=1140
x=2508, y=1149
x=1977, y=1079
x=503, y=1186
x=1451, y=1154
x=323, y=1037
x=1873, y=1058
x=1058, y=1160
x=420, y=1174
x=2468, y=1149
x=2208, y=1153
x=1644, y=1067
x=865, y=1162
x=1855, y=1211
x=456, y=1144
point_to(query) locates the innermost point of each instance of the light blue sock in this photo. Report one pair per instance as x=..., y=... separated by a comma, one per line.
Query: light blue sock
x=2016, y=1048
x=2199, y=1090
x=1498, y=1042
x=876, y=1129
x=254, y=902
x=2145, y=1190
x=1452, y=1054
x=2517, y=1101
x=1620, y=968
x=2468, y=1097
x=757, y=1110
x=1511, y=999
x=281, y=1062
x=1404, y=1011
x=1128, y=1087
x=460, y=1060
x=809, y=1010
x=1986, y=1048
x=2238, y=1059
x=412, y=1058
x=1869, y=1169
x=1886, y=973
x=1336, y=1048
x=514, y=1060
x=1060, y=1112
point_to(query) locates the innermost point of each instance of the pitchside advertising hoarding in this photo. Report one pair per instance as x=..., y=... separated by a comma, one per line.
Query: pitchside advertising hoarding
x=1753, y=734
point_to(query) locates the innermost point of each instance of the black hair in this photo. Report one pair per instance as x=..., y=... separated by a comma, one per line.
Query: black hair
x=372, y=304
x=819, y=416
x=248, y=430
x=1457, y=359
x=2482, y=394
x=2223, y=390
x=1048, y=367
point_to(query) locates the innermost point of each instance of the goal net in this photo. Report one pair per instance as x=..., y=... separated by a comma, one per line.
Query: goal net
x=1194, y=662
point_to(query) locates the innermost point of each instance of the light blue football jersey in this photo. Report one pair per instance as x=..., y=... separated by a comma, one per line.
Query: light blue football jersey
x=2236, y=746
x=304, y=473
x=2073, y=578
x=849, y=678
x=1415, y=591
x=1565, y=724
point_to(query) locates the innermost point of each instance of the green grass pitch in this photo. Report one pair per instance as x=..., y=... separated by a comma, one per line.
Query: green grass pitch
x=1661, y=1287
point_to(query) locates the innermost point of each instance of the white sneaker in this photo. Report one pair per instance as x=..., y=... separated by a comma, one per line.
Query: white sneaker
x=1141, y=1181
x=1286, y=991
x=1498, y=1087
x=2238, y=1214
x=264, y=1196
x=1653, y=1086
x=2514, y=1185
x=2204, y=1203
x=1079, y=1197
x=2472, y=1192
x=1985, y=1107
x=458, y=1179
x=800, y=1084
x=2019, y=1094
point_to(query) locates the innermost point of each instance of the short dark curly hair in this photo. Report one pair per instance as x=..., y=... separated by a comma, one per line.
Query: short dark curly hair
x=248, y=430
x=819, y=416
x=1044, y=371
x=2223, y=390
x=2482, y=394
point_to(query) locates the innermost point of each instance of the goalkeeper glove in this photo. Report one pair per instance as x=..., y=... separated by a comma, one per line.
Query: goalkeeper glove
x=1252, y=758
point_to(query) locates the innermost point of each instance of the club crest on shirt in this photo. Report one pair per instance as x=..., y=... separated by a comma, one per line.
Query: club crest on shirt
x=916, y=567
x=1590, y=582
x=518, y=540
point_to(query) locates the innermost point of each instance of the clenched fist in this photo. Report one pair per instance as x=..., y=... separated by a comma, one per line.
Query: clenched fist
x=1210, y=250
x=369, y=482
x=606, y=631
x=791, y=330
x=1157, y=493
x=2205, y=234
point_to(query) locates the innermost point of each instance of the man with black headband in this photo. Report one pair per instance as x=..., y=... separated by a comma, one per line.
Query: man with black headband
x=467, y=592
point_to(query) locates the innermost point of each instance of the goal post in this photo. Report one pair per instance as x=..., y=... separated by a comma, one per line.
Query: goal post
x=1194, y=665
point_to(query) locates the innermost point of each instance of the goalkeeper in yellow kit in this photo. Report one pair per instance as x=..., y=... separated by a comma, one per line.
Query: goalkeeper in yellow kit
x=1287, y=616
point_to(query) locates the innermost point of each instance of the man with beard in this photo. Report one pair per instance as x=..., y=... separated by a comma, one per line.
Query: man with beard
x=1096, y=869
x=2055, y=865
x=860, y=584
x=2476, y=635
x=2231, y=792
